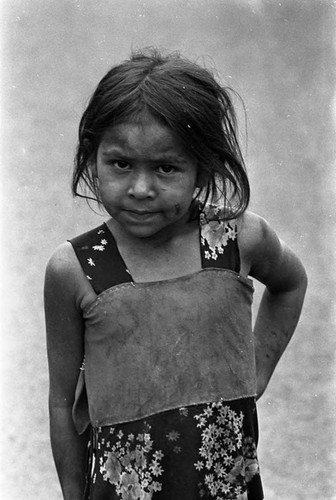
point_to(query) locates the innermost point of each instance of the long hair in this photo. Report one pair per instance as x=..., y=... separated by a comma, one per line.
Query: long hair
x=181, y=95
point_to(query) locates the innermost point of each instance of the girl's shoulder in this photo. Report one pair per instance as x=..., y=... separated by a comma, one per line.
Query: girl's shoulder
x=64, y=276
x=253, y=231
x=62, y=261
x=250, y=228
x=260, y=247
x=265, y=256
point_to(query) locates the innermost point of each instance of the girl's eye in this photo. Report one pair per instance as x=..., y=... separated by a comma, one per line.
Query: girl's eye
x=166, y=169
x=122, y=165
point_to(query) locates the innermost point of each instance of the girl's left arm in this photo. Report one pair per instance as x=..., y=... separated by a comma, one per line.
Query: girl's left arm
x=271, y=262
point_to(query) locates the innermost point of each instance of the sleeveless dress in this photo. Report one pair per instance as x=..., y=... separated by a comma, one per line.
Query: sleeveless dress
x=168, y=385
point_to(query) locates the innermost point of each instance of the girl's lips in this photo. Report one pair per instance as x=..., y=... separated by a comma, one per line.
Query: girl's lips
x=140, y=215
x=141, y=212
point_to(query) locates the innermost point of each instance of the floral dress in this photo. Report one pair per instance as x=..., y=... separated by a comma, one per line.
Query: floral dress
x=198, y=451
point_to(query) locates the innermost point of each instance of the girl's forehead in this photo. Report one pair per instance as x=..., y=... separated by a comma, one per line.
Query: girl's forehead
x=147, y=129
x=142, y=120
x=145, y=138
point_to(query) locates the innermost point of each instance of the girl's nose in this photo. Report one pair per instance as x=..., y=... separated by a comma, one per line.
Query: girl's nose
x=141, y=186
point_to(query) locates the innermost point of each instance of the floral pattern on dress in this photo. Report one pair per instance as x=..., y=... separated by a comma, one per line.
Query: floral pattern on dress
x=207, y=450
x=215, y=231
x=100, y=247
x=132, y=466
x=227, y=457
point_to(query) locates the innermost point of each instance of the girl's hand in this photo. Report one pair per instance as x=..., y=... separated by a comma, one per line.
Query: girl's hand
x=271, y=262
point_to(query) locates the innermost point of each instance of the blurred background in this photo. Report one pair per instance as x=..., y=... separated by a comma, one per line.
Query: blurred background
x=280, y=57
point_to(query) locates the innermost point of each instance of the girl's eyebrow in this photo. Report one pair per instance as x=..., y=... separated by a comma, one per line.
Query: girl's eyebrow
x=166, y=157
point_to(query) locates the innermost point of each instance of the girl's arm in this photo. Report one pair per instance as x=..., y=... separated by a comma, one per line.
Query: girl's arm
x=65, y=349
x=272, y=263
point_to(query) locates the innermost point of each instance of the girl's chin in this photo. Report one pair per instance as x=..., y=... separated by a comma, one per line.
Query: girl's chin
x=148, y=231
x=149, y=224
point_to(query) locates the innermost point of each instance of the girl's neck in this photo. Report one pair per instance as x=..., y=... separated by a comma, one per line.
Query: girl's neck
x=170, y=255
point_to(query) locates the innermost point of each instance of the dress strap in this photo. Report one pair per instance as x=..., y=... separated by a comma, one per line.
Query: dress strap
x=104, y=267
x=219, y=244
x=100, y=259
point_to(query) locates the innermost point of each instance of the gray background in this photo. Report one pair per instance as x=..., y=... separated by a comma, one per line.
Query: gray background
x=280, y=56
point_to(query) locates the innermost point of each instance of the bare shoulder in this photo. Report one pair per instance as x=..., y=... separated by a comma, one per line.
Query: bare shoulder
x=254, y=233
x=64, y=276
x=265, y=256
x=63, y=259
x=62, y=265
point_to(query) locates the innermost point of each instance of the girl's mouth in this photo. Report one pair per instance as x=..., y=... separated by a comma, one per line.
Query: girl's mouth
x=140, y=215
x=141, y=212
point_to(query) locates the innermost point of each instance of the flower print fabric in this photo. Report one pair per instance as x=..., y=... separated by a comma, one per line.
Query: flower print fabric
x=215, y=232
x=228, y=456
x=132, y=466
x=204, y=452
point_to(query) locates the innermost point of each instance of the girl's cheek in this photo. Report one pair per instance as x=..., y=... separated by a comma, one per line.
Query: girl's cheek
x=174, y=211
x=177, y=209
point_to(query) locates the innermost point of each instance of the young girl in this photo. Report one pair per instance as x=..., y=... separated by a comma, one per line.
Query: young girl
x=154, y=368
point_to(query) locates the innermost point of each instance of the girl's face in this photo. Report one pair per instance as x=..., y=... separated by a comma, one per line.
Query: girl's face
x=146, y=179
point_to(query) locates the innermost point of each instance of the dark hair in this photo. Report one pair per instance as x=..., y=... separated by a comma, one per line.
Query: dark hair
x=183, y=96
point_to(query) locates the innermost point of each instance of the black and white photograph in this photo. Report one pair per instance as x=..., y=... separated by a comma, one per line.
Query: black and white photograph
x=168, y=242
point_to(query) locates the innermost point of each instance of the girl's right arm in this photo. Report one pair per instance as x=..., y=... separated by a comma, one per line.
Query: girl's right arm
x=65, y=347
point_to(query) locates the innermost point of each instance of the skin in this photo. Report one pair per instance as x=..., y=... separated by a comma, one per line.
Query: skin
x=147, y=182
